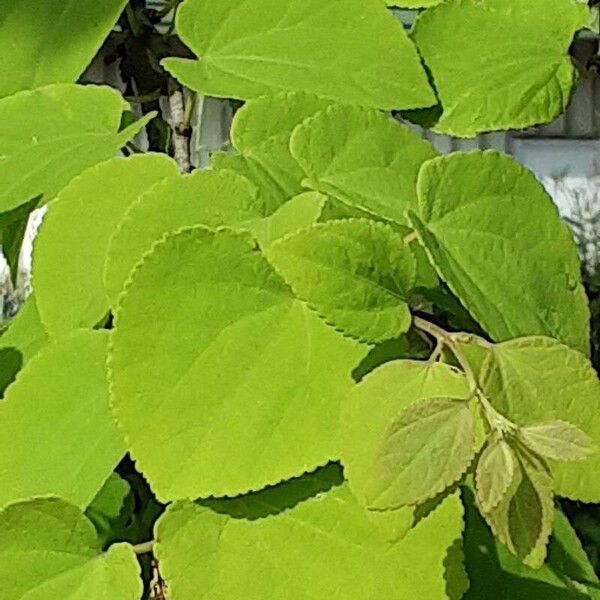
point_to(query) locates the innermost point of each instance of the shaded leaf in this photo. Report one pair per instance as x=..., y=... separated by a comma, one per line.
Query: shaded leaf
x=494, y=474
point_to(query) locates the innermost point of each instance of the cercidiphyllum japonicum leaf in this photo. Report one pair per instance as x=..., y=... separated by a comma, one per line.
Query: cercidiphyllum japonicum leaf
x=373, y=405
x=300, y=212
x=279, y=543
x=70, y=249
x=363, y=158
x=557, y=440
x=50, y=135
x=63, y=440
x=211, y=198
x=537, y=379
x=356, y=273
x=497, y=240
x=523, y=518
x=51, y=41
x=261, y=132
x=494, y=473
x=49, y=549
x=427, y=448
x=214, y=360
x=350, y=51
x=25, y=333
x=490, y=566
x=499, y=64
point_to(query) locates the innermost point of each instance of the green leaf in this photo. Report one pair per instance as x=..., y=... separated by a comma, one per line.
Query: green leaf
x=323, y=546
x=26, y=333
x=63, y=440
x=50, y=550
x=300, y=212
x=538, y=379
x=427, y=448
x=557, y=440
x=355, y=273
x=49, y=135
x=208, y=198
x=496, y=239
x=68, y=267
x=111, y=510
x=490, y=566
x=523, y=518
x=51, y=41
x=494, y=474
x=523, y=78
x=248, y=49
x=222, y=365
x=363, y=158
x=261, y=132
x=13, y=224
x=373, y=406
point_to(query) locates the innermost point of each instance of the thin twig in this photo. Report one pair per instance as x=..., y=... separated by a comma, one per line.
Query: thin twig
x=144, y=547
x=176, y=119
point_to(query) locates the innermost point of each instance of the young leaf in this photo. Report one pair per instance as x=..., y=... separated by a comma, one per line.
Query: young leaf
x=261, y=132
x=34, y=50
x=523, y=518
x=363, y=158
x=481, y=91
x=247, y=49
x=374, y=404
x=221, y=355
x=427, y=448
x=496, y=239
x=538, y=379
x=494, y=474
x=557, y=440
x=356, y=273
x=51, y=134
x=63, y=440
x=300, y=212
x=50, y=550
x=490, y=566
x=323, y=546
x=203, y=198
x=68, y=266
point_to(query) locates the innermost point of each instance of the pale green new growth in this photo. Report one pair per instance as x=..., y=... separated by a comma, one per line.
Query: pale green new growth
x=250, y=48
x=203, y=198
x=60, y=436
x=557, y=440
x=499, y=64
x=374, y=404
x=426, y=449
x=496, y=238
x=49, y=135
x=221, y=355
x=533, y=380
x=523, y=518
x=70, y=250
x=323, y=546
x=363, y=158
x=355, y=273
x=494, y=473
x=51, y=41
x=50, y=551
